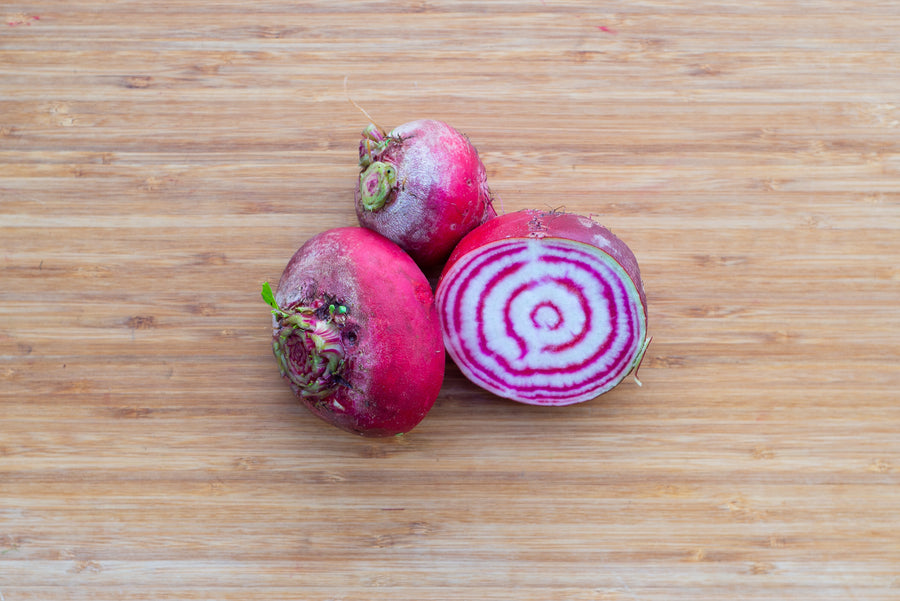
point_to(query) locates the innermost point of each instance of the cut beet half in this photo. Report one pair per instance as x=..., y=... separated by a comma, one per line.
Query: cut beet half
x=543, y=308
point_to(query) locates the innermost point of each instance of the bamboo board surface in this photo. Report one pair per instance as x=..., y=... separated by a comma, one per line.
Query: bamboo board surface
x=160, y=160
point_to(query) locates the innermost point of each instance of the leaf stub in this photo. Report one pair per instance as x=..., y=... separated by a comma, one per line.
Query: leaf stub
x=269, y=296
x=376, y=184
x=308, y=345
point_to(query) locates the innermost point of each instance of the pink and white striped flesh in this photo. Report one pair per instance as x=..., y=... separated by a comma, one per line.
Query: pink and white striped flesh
x=544, y=308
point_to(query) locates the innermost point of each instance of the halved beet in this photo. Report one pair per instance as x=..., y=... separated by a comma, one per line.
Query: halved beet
x=544, y=308
x=356, y=332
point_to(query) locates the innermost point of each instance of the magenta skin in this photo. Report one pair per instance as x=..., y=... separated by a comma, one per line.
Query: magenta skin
x=435, y=193
x=543, y=308
x=533, y=223
x=386, y=325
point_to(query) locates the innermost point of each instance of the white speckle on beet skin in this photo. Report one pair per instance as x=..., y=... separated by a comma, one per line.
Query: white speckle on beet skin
x=601, y=241
x=587, y=222
x=408, y=206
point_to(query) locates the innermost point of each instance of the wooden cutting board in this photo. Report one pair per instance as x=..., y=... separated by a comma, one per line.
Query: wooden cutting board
x=160, y=160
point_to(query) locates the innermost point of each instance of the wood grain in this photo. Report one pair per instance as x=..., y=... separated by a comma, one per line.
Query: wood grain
x=160, y=160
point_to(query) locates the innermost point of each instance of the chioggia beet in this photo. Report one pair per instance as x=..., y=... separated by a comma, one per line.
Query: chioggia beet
x=356, y=332
x=423, y=186
x=544, y=308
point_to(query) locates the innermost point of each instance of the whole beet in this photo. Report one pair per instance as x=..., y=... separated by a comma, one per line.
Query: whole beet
x=356, y=332
x=423, y=186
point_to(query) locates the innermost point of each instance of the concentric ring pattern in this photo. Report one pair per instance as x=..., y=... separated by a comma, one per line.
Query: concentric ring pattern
x=544, y=322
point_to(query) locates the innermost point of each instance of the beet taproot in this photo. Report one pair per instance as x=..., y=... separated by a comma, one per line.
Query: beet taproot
x=423, y=186
x=356, y=332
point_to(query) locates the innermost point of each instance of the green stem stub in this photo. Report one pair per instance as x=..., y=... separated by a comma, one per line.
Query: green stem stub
x=307, y=345
x=376, y=183
x=373, y=143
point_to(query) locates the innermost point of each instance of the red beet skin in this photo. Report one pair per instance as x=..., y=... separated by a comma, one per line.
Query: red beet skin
x=356, y=333
x=543, y=308
x=554, y=224
x=423, y=186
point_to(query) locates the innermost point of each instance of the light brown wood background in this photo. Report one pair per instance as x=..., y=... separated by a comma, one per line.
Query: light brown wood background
x=160, y=160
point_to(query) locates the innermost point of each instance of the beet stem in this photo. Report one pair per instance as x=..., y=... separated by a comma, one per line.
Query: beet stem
x=376, y=184
x=316, y=332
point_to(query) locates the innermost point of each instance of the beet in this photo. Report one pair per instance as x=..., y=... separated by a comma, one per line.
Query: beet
x=543, y=308
x=423, y=186
x=356, y=332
